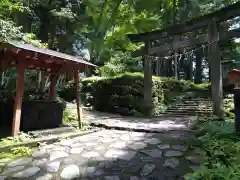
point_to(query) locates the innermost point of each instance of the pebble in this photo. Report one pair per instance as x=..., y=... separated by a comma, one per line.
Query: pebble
x=147, y=169
x=173, y=154
x=70, y=172
x=164, y=146
x=172, y=163
x=53, y=166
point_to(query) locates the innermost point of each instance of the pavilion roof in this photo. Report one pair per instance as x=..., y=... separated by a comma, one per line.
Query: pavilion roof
x=41, y=57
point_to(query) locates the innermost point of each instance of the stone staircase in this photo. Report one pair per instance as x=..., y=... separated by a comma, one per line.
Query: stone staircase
x=192, y=106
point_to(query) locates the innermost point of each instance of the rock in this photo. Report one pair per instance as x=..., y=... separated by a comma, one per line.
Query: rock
x=67, y=142
x=10, y=170
x=164, y=146
x=76, y=150
x=31, y=171
x=155, y=153
x=4, y=160
x=194, y=159
x=152, y=141
x=173, y=153
x=90, y=154
x=39, y=154
x=147, y=159
x=107, y=140
x=120, y=154
x=90, y=171
x=111, y=178
x=53, y=166
x=137, y=145
x=119, y=145
x=20, y=161
x=60, y=148
x=125, y=137
x=179, y=147
x=91, y=144
x=147, y=169
x=172, y=163
x=45, y=177
x=134, y=178
x=70, y=172
x=99, y=172
x=39, y=162
x=58, y=154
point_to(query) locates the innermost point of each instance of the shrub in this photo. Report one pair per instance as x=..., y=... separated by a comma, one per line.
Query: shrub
x=222, y=146
x=67, y=92
x=122, y=94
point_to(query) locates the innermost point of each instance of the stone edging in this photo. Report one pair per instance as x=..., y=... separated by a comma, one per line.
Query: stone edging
x=35, y=142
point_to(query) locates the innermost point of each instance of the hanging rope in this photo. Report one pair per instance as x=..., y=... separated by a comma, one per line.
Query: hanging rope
x=190, y=52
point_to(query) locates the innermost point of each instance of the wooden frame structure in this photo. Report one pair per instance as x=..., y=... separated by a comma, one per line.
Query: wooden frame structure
x=23, y=56
x=176, y=41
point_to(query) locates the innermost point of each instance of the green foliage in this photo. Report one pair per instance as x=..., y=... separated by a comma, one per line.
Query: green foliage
x=69, y=116
x=22, y=137
x=229, y=106
x=21, y=151
x=222, y=147
x=121, y=94
x=16, y=152
x=119, y=64
x=9, y=31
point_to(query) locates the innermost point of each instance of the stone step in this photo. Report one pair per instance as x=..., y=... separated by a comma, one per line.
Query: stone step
x=182, y=110
x=196, y=101
x=188, y=109
x=186, y=114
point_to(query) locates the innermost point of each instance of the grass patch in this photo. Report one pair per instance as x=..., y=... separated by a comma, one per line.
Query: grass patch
x=22, y=137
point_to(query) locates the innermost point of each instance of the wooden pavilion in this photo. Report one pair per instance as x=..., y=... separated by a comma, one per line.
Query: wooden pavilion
x=207, y=30
x=23, y=56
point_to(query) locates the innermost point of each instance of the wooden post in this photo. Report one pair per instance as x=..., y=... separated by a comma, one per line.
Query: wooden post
x=18, y=100
x=52, y=88
x=148, y=81
x=216, y=69
x=79, y=109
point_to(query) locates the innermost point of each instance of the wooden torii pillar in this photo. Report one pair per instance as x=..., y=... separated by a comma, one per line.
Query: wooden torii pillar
x=216, y=69
x=18, y=100
x=147, y=79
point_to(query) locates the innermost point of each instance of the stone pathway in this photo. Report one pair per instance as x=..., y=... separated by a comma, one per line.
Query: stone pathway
x=156, y=124
x=111, y=155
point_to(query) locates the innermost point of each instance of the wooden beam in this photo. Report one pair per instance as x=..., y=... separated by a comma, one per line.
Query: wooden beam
x=191, y=42
x=223, y=14
x=18, y=100
x=79, y=109
x=216, y=69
